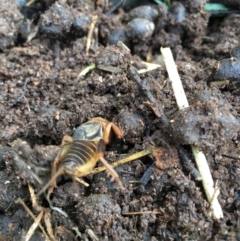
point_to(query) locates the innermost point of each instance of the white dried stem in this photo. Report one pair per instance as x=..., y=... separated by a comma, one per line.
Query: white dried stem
x=174, y=77
x=200, y=158
x=34, y=226
x=90, y=32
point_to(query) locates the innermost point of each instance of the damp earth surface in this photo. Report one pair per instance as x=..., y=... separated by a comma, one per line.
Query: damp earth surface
x=65, y=62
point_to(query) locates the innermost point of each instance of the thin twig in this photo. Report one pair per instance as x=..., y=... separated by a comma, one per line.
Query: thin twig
x=10, y=204
x=231, y=157
x=24, y=90
x=141, y=212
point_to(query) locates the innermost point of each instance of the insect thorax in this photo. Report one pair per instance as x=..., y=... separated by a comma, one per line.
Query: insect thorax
x=90, y=131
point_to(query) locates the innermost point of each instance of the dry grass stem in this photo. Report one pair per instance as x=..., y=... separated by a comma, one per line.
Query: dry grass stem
x=33, y=217
x=150, y=67
x=123, y=161
x=48, y=224
x=200, y=158
x=90, y=33
x=34, y=226
x=91, y=234
x=30, y=2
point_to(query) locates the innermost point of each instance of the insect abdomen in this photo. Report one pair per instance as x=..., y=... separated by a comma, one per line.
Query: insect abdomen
x=81, y=153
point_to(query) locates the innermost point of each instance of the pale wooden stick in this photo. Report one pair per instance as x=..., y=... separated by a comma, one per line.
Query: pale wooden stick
x=200, y=158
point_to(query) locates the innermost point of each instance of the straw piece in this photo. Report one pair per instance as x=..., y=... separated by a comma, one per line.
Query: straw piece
x=200, y=158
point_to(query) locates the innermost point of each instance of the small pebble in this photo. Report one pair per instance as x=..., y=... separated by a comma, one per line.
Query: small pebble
x=140, y=28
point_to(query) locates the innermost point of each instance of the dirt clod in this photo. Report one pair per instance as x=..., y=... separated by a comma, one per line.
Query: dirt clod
x=57, y=21
x=10, y=21
x=133, y=126
x=209, y=122
x=146, y=12
x=96, y=208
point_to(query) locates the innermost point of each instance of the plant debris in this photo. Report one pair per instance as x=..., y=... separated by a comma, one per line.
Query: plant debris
x=64, y=62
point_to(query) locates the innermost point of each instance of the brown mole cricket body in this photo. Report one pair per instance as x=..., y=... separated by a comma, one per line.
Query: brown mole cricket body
x=80, y=153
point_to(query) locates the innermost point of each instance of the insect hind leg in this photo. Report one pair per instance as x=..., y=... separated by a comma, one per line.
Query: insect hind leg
x=81, y=181
x=111, y=171
x=108, y=127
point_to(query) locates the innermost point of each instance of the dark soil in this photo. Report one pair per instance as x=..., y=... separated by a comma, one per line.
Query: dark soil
x=43, y=98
